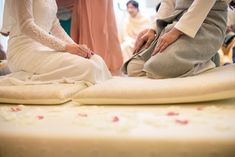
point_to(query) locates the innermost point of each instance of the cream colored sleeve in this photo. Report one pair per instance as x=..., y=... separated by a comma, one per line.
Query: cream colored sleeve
x=30, y=28
x=192, y=20
x=59, y=32
x=166, y=9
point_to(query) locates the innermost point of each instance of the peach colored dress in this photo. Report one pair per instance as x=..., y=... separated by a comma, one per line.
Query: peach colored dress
x=65, y=3
x=94, y=24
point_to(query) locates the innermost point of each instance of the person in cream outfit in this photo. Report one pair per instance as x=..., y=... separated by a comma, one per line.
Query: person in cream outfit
x=182, y=41
x=40, y=47
x=133, y=25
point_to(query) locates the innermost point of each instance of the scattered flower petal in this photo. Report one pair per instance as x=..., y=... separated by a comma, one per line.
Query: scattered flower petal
x=115, y=119
x=40, y=117
x=15, y=109
x=181, y=122
x=172, y=114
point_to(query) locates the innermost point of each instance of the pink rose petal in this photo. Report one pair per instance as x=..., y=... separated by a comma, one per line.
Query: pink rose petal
x=115, y=119
x=40, y=117
x=181, y=122
x=15, y=109
x=172, y=114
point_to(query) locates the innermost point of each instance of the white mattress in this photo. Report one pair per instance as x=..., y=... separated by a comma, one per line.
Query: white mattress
x=71, y=130
x=215, y=84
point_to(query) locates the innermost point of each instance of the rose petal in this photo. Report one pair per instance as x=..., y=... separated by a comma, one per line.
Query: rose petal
x=172, y=114
x=115, y=119
x=181, y=122
x=40, y=117
x=15, y=109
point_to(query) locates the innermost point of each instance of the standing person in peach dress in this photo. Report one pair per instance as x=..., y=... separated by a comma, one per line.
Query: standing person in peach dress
x=94, y=24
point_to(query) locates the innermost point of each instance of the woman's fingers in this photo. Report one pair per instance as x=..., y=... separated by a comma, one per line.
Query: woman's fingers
x=164, y=46
x=149, y=41
x=80, y=50
x=159, y=46
x=138, y=42
x=147, y=36
x=91, y=53
x=84, y=51
x=138, y=45
x=166, y=40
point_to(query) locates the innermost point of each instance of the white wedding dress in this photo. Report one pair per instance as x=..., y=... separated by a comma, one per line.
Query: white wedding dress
x=37, y=43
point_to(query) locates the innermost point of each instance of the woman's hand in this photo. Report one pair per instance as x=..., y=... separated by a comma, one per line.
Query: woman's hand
x=80, y=50
x=166, y=40
x=147, y=36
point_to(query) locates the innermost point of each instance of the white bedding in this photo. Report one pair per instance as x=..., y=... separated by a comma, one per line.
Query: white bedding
x=39, y=94
x=188, y=129
x=213, y=85
x=216, y=84
x=71, y=130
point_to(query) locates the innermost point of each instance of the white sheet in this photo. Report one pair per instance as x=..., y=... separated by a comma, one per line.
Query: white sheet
x=216, y=84
x=192, y=130
x=14, y=89
x=213, y=85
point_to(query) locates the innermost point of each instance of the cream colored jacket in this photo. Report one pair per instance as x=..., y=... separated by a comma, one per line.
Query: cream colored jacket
x=192, y=20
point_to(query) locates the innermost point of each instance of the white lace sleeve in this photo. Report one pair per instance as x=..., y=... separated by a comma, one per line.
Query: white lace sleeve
x=59, y=32
x=28, y=27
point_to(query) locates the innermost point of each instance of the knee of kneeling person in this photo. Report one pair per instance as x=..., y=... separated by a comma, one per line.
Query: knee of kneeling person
x=91, y=67
x=131, y=72
x=90, y=72
x=163, y=69
x=135, y=68
x=153, y=70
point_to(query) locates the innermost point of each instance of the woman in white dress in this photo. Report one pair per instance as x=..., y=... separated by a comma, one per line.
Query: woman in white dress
x=38, y=45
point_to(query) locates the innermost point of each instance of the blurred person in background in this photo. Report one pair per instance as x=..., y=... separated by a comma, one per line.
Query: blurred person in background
x=133, y=25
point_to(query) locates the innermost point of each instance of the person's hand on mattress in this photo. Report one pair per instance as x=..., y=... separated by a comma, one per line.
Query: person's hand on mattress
x=167, y=39
x=80, y=50
x=146, y=36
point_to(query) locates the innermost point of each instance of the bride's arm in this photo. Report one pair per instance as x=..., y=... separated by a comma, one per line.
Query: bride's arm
x=31, y=29
x=59, y=32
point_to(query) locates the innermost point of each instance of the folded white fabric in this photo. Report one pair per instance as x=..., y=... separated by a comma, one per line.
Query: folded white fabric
x=17, y=88
x=216, y=84
x=39, y=94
